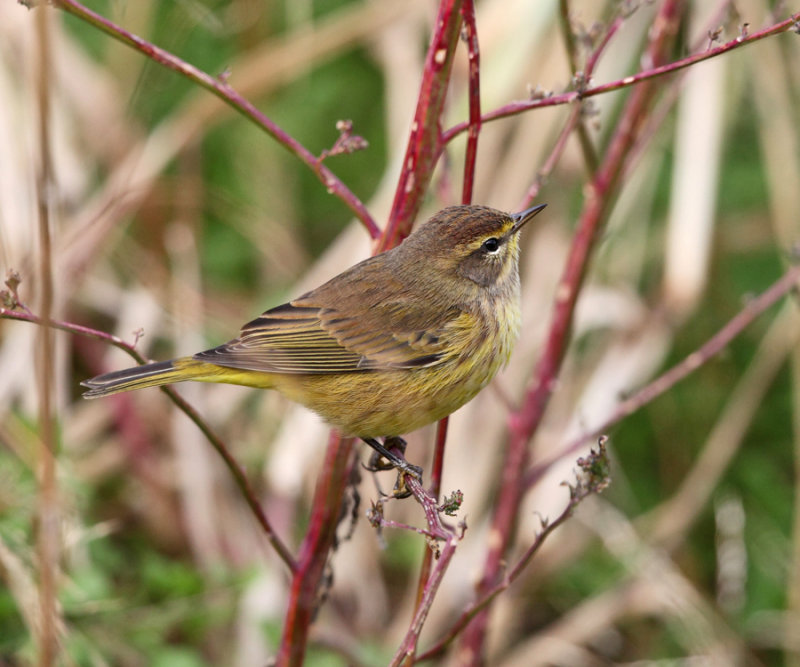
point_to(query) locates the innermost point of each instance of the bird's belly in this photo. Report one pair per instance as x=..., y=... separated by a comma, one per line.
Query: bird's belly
x=382, y=403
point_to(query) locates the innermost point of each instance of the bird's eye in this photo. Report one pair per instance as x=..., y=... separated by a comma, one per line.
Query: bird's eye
x=491, y=245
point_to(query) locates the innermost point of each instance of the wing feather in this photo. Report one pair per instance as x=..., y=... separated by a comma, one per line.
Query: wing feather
x=300, y=338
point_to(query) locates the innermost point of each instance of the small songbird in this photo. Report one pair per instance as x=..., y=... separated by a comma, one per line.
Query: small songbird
x=393, y=343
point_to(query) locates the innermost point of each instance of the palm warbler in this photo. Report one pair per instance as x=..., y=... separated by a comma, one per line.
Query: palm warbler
x=396, y=342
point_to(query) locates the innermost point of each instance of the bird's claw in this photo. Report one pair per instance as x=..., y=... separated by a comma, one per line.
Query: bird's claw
x=383, y=458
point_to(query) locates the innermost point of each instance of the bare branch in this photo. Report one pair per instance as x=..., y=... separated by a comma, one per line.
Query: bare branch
x=219, y=87
x=515, y=108
x=248, y=493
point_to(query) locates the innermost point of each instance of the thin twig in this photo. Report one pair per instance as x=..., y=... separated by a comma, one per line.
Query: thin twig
x=473, y=53
x=543, y=173
x=219, y=445
x=611, y=30
x=582, y=80
x=408, y=646
x=437, y=532
x=593, y=479
x=434, y=490
x=514, y=108
x=219, y=87
x=663, y=383
x=239, y=476
x=25, y=315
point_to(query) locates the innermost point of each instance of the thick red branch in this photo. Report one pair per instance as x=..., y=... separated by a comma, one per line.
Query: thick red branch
x=424, y=141
x=314, y=552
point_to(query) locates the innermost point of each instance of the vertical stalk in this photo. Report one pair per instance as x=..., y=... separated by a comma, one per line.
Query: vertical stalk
x=434, y=490
x=315, y=550
x=473, y=53
x=424, y=141
x=47, y=542
x=565, y=21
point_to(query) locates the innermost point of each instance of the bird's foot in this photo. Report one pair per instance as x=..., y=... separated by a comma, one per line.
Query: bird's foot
x=385, y=457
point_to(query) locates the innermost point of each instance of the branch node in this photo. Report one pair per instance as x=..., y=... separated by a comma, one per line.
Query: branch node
x=713, y=37
x=375, y=514
x=537, y=93
x=138, y=334
x=743, y=32
x=452, y=503
x=10, y=298
x=433, y=545
x=580, y=82
x=595, y=469
x=347, y=142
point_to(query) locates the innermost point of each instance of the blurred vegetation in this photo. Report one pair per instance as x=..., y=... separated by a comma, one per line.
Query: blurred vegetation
x=142, y=584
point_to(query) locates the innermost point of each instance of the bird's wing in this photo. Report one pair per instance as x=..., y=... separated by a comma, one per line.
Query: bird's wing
x=303, y=336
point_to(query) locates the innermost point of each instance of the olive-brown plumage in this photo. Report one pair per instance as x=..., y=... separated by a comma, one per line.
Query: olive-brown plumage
x=397, y=341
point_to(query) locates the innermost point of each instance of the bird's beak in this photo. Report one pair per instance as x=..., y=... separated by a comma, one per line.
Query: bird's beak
x=524, y=217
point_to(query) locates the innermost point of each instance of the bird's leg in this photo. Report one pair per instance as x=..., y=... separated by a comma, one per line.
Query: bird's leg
x=395, y=460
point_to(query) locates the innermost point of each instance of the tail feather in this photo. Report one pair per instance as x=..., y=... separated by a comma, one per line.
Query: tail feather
x=149, y=375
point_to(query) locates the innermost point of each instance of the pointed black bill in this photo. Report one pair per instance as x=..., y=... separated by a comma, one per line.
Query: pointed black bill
x=526, y=216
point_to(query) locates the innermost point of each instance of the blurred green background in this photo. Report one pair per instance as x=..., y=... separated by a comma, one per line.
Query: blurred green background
x=186, y=220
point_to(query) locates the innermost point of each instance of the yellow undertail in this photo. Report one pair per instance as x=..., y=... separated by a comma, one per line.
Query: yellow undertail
x=152, y=375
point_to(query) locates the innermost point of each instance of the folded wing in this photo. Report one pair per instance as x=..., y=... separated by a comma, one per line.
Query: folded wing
x=299, y=338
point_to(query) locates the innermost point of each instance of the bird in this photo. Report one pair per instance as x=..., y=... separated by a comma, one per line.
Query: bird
x=396, y=342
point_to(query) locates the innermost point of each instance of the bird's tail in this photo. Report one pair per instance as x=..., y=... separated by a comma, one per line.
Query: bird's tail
x=149, y=375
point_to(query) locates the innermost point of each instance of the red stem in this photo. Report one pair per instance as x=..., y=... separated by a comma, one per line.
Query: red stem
x=319, y=540
x=680, y=371
x=526, y=420
x=438, y=457
x=471, y=31
x=408, y=647
x=514, y=108
x=434, y=490
x=424, y=141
